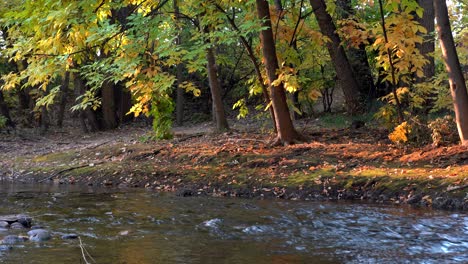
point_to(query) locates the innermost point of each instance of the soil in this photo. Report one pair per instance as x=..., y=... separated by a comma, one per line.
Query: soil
x=334, y=164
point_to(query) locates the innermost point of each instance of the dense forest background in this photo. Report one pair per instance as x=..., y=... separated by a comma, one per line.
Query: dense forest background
x=101, y=64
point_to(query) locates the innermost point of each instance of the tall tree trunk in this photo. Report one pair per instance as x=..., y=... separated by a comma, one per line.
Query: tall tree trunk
x=44, y=120
x=359, y=60
x=87, y=113
x=253, y=59
x=179, y=75
x=284, y=126
x=452, y=65
x=427, y=47
x=215, y=88
x=123, y=101
x=63, y=98
x=108, y=105
x=340, y=61
x=5, y=111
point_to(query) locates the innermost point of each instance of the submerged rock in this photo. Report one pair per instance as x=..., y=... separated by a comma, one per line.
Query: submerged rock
x=4, y=224
x=39, y=235
x=23, y=220
x=70, y=236
x=5, y=247
x=13, y=239
x=17, y=225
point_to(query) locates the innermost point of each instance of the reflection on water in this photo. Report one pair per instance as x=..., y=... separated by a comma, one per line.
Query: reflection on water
x=136, y=226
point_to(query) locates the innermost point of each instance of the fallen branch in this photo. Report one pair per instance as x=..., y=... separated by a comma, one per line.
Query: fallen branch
x=67, y=169
x=85, y=253
x=246, y=139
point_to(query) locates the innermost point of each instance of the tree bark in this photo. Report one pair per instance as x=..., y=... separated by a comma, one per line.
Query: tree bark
x=108, y=106
x=5, y=111
x=284, y=126
x=359, y=60
x=253, y=59
x=340, y=61
x=215, y=88
x=63, y=98
x=87, y=113
x=452, y=65
x=427, y=47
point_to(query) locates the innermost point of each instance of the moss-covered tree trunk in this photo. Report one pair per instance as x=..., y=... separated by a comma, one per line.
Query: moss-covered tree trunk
x=284, y=126
x=340, y=61
x=452, y=64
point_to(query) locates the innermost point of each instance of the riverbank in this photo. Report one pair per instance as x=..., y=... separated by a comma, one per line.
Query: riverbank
x=351, y=164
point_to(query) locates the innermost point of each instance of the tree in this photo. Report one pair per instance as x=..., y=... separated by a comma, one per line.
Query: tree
x=452, y=65
x=215, y=88
x=286, y=133
x=341, y=63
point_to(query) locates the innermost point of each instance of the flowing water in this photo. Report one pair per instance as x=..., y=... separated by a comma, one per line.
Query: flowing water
x=136, y=226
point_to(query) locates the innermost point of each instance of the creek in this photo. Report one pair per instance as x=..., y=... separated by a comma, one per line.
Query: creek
x=139, y=226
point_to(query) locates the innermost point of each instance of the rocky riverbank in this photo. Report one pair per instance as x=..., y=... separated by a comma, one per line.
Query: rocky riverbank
x=351, y=164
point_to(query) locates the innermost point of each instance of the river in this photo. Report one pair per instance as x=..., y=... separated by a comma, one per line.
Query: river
x=139, y=226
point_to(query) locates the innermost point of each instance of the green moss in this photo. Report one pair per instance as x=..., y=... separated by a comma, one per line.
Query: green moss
x=304, y=179
x=58, y=157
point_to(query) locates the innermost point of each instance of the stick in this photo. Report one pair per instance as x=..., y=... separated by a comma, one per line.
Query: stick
x=83, y=252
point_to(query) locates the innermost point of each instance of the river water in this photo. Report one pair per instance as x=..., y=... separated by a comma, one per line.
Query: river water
x=137, y=226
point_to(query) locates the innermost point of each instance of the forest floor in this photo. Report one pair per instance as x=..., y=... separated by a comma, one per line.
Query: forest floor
x=336, y=163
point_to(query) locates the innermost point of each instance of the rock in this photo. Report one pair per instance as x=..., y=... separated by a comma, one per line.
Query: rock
x=21, y=219
x=39, y=235
x=4, y=224
x=70, y=236
x=5, y=247
x=124, y=233
x=16, y=225
x=25, y=221
x=13, y=239
x=36, y=227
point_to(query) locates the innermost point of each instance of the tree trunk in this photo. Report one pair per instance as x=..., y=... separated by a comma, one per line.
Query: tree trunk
x=179, y=75
x=63, y=98
x=87, y=113
x=123, y=101
x=342, y=66
x=427, y=47
x=4, y=111
x=284, y=126
x=108, y=106
x=452, y=65
x=253, y=59
x=215, y=88
x=359, y=60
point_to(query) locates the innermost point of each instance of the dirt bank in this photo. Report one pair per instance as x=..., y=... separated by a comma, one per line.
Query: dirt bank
x=334, y=164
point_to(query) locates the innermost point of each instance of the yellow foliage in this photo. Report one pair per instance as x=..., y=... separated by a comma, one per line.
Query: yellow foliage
x=400, y=134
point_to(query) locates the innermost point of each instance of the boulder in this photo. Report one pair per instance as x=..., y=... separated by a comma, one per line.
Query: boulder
x=39, y=235
x=16, y=225
x=13, y=239
x=19, y=218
